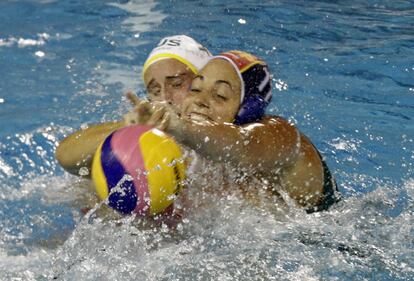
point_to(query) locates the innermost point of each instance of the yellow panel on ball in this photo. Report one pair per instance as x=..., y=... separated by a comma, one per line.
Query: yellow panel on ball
x=165, y=168
x=98, y=175
x=138, y=169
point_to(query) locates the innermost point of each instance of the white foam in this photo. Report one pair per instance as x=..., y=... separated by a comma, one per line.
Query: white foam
x=30, y=266
x=410, y=188
x=41, y=39
x=351, y=145
x=143, y=16
x=39, y=54
x=223, y=237
x=7, y=42
x=5, y=168
x=29, y=42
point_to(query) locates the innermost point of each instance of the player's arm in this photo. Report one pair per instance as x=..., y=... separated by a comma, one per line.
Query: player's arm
x=76, y=150
x=263, y=146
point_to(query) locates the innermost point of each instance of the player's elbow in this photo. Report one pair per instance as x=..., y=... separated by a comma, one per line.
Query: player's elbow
x=67, y=160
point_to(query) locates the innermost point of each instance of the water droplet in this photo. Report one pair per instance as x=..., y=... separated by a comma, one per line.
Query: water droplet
x=40, y=54
x=83, y=171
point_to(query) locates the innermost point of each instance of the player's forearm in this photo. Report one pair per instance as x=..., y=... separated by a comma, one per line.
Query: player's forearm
x=217, y=142
x=76, y=150
x=264, y=146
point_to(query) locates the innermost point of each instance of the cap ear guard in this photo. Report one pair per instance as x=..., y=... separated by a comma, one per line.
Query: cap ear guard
x=258, y=94
x=252, y=110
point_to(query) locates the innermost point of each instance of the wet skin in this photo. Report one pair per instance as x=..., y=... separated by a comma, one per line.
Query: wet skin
x=214, y=94
x=272, y=148
x=168, y=80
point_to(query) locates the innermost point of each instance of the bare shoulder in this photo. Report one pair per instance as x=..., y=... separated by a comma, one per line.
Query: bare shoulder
x=271, y=120
x=272, y=125
x=303, y=180
x=272, y=143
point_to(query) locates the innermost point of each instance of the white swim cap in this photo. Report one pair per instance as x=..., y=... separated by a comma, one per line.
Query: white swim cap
x=182, y=48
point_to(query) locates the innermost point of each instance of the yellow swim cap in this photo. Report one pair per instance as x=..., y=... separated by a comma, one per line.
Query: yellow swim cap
x=182, y=48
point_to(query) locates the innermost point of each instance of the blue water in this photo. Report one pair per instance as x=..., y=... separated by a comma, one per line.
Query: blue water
x=343, y=72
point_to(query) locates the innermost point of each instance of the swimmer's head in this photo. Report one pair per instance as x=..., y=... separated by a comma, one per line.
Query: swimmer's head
x=171, y=66
x=256, y=88
x=233, y=87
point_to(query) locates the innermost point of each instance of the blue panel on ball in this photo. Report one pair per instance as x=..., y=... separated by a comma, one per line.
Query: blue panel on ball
x=125, y=199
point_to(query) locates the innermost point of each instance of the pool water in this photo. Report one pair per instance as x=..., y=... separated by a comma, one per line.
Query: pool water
x=343, y=71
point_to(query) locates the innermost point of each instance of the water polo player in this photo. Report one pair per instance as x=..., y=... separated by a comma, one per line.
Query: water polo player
x=167, y=73
x=171, y=67
x=223, y=120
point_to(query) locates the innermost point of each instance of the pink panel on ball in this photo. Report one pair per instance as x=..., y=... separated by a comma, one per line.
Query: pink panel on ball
x=125, y=145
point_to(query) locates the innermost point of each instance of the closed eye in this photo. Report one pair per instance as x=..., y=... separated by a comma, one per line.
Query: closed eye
x=195, y=85
x=175, y=81
x=154, y=89
x=153, y=86
x=222, y=97
x=195, y=90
